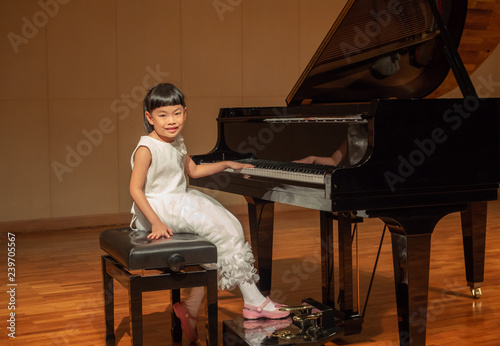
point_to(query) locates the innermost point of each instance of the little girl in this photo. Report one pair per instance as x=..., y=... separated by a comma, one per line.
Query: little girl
x=164, y=205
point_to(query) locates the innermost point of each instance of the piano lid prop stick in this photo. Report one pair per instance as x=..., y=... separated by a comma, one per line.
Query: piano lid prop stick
x=357, y=265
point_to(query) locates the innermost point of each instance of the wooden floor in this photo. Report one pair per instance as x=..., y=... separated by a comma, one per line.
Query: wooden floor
x=59, y=295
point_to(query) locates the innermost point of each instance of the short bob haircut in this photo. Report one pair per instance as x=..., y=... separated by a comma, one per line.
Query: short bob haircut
x=161, y=95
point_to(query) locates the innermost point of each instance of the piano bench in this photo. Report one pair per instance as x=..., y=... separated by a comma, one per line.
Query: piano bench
x=184, y=260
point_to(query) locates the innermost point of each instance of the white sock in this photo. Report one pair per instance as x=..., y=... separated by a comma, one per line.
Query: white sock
x=252, y=296
x=193, y=302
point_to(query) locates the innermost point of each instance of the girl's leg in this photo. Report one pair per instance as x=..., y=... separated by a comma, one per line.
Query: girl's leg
x=252, y=296
x=187, y=311
x=193, y=302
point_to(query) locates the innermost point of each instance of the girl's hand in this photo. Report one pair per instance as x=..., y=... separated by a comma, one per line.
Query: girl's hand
x=237, y=165
x=309, y=159
x=160, y=230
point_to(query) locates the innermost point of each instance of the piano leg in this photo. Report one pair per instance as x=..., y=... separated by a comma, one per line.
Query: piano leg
x=261, y=219
x=346, y=289
x=411, y=232
x=474, y=240
x=411, y=256
x=352, y=322
x=327, y=258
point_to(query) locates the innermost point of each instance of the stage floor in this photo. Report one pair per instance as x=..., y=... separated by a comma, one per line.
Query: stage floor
x=58, y=297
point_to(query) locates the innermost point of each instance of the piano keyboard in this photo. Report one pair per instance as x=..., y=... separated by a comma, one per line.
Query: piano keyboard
x=301, y=172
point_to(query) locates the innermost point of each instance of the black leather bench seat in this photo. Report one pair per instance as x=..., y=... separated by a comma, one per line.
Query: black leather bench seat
x=133, y=250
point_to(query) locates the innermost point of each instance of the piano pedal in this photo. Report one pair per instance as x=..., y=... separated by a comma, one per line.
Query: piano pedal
x=306, y=308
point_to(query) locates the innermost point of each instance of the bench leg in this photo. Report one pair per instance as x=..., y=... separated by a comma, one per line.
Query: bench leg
x=135, y=306
x=176, y=330
x=212, y=318
x=109, y=302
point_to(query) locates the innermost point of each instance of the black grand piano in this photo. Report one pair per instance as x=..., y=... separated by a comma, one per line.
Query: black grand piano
x=421, y=158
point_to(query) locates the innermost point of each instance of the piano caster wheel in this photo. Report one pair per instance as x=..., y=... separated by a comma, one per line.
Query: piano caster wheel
x=476, y=292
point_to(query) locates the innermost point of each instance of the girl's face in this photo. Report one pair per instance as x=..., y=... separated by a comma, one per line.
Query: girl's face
x=167, y=121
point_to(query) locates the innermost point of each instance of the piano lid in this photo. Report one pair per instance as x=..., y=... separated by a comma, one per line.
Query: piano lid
x=381, y=49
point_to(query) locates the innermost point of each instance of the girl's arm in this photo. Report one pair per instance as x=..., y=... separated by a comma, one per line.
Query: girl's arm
x=142, y=161
x=333, y=160
x=198, y=171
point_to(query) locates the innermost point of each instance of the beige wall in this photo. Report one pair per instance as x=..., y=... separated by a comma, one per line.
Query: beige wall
x=73, y=73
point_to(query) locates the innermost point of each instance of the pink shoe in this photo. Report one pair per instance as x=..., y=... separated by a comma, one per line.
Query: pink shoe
x=252, y=312
x=183, y=315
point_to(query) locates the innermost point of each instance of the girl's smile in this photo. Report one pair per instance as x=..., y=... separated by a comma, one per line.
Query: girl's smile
x=172, y=129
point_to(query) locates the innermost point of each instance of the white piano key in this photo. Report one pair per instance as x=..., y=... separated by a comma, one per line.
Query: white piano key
x=280, y=174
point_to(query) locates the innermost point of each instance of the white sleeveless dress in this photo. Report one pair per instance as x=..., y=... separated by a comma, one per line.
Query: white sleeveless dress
x=187, y=210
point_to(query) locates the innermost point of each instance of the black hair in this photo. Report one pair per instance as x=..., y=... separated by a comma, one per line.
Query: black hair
x=161, y=95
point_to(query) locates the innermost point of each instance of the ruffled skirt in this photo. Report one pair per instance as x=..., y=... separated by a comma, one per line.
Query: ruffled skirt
x=197, y=213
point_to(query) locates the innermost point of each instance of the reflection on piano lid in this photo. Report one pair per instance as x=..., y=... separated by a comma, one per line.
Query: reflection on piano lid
x=381, y=49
